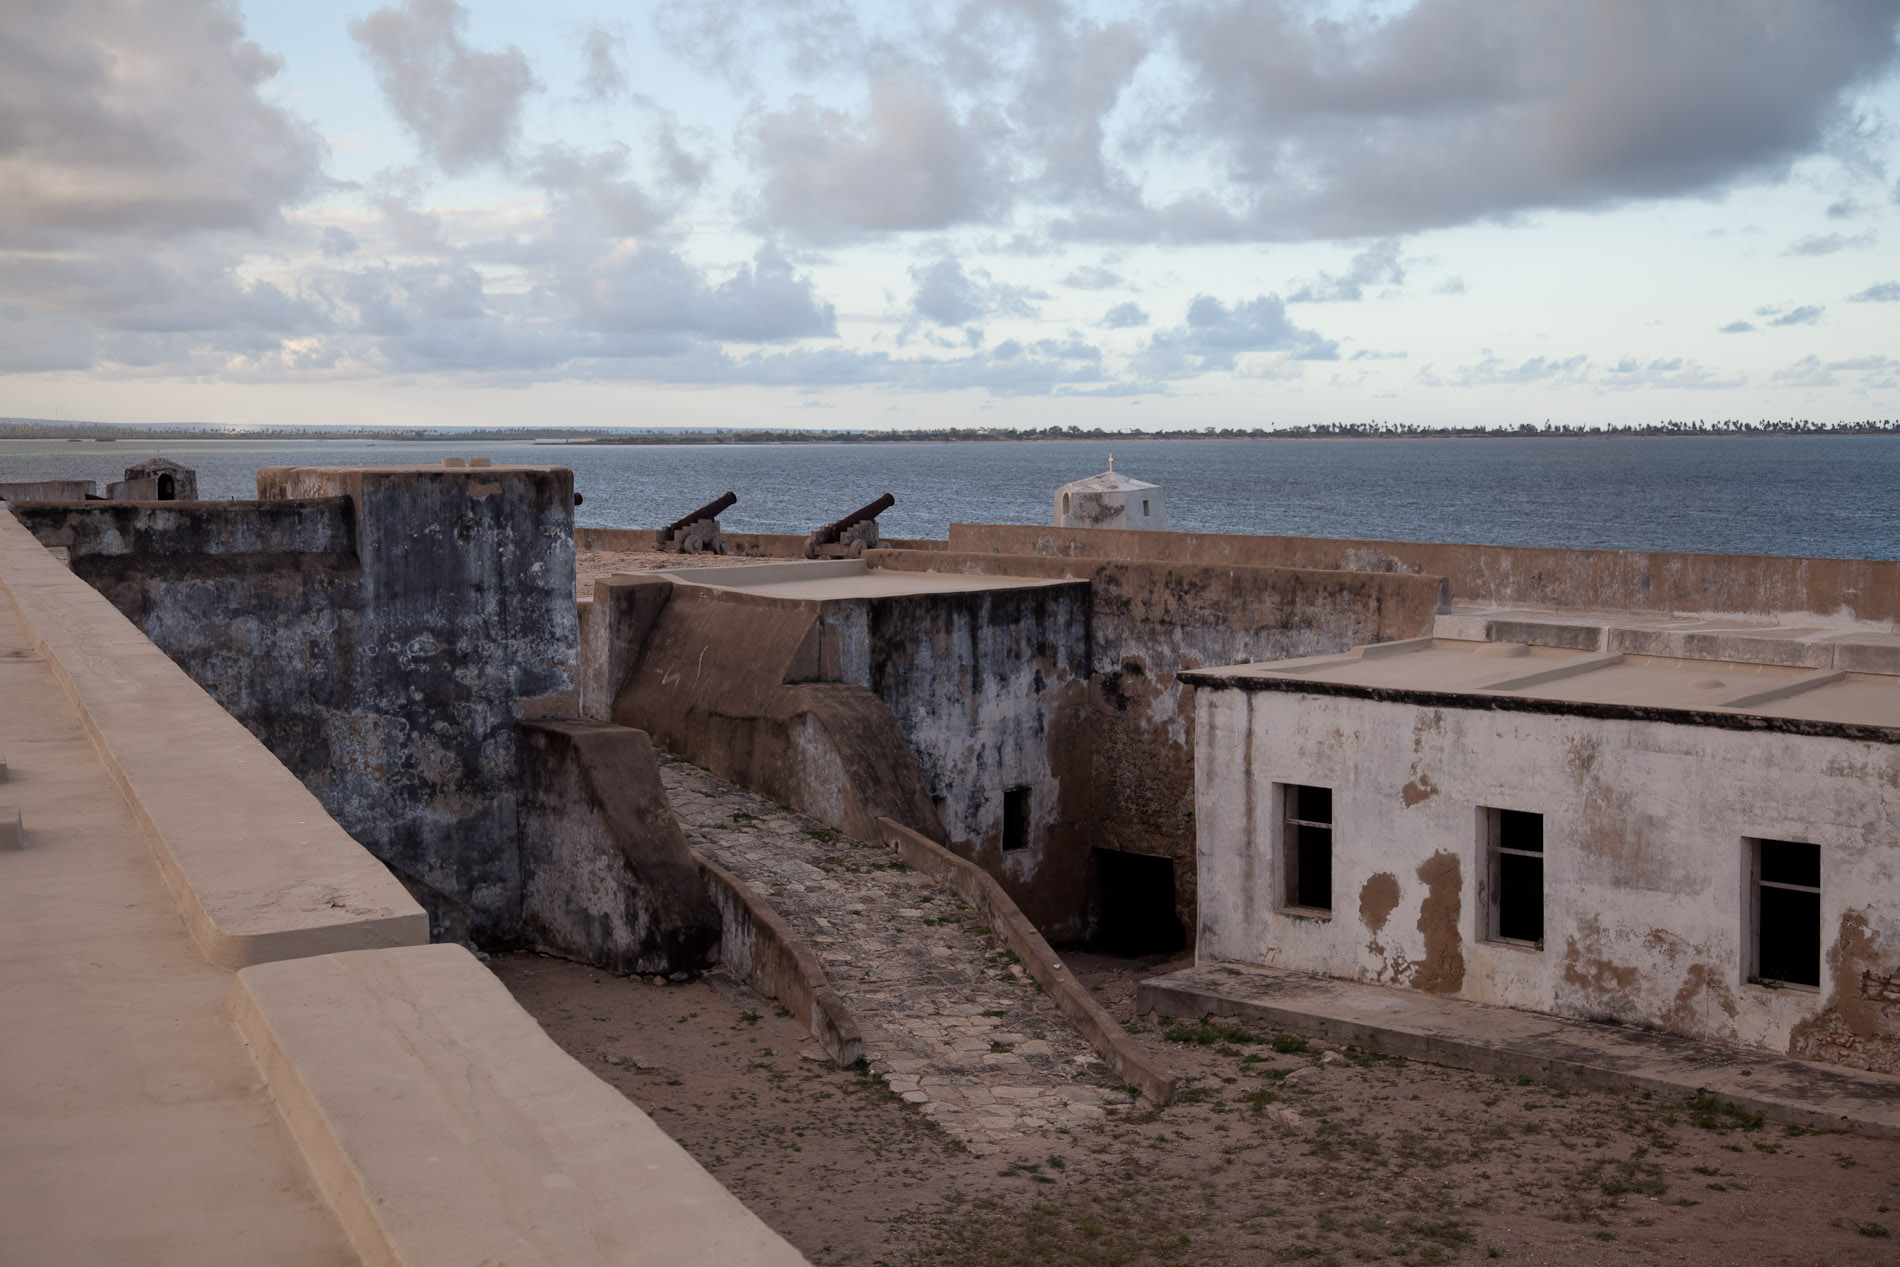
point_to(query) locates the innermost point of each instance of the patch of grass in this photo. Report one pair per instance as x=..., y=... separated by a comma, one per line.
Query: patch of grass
x=1289, y=1044
x=1209, y=1032
x=750, y=1018
x=1713, y=1113
x=1874, y=1230
x=824, y=835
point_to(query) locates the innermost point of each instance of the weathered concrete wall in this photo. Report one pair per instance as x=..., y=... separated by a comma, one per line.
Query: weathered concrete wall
x=1692, y=584
x=381, y=630
x=1133, y=730
x=991, y=690
x=606, y=875
x=764, y=545
x=48, y=491
x=465, y=624
x=1645, y=861
x=734, y=682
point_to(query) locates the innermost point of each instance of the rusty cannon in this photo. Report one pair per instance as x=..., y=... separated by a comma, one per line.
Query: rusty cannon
x=851, y=536
x=698, y=532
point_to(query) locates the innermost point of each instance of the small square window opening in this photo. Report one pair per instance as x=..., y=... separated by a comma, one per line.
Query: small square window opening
x=1307, y=846
x=1515, y=867
x=1787, y=909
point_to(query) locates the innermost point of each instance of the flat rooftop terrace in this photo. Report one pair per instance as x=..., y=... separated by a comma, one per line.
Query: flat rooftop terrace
x=1562, y=679
x=844, y=579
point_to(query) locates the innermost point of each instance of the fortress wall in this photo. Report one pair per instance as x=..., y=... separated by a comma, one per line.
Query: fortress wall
x=381, y=630
x=1134, y=725
x=1764, y=586
x=764, y=545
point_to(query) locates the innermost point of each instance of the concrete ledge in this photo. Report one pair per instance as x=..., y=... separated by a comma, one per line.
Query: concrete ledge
x=445, y=1127
x=759, y=948
x=980, y=889
x=259, y=870
x=1497, y=1040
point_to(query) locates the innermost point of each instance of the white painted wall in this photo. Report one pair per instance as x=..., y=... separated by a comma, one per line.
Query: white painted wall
x=1645, y=861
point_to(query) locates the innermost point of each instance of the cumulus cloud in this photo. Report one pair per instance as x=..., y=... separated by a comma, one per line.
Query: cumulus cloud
x=1737, y=327
x=1215, y=334
x=1879, y=293
x=908, y=160
x=1092, y=277
x=1806, y=315
x=1378, y=265
x=1441, y=112
x=948, y=296
x=462, y=105
x=602, y=78
x=1634, y=373
x=1493, y=371
x=1125, y=315
x=142, y=120
x=1829, y=243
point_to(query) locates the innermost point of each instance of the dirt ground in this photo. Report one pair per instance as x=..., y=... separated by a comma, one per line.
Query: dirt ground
x=1282, y=1151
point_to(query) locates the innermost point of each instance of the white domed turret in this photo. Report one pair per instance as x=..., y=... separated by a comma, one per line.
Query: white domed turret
x=1110, y=500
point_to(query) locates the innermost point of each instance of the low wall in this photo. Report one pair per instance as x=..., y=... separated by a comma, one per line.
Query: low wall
x=759, y=948
x=1858, y=590
x=606, y=875
x=980, y=889
x=733, y=683
x=763, y=545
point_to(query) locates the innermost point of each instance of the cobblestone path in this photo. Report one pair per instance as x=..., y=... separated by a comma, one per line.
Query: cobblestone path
x=950, y=1021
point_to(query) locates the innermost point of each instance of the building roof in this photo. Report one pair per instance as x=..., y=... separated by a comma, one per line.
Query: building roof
x=1109, y=481
x=1514, y=676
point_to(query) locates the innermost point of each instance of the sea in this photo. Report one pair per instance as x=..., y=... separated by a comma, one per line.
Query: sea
x=1817, y=496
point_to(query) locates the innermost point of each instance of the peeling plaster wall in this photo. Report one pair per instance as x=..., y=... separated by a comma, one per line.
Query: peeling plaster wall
x=990, y=689
x=1145, y=623
x=1645, y=861
x=381, y=630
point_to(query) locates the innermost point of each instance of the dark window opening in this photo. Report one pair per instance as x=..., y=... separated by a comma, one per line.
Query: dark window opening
x=1136, y=915
x=1016, y=818
x=1308, y=846
x=1788, y=912
x=167, y=488
x=1144, y=508
x=1516, y=840
x=1065, y=503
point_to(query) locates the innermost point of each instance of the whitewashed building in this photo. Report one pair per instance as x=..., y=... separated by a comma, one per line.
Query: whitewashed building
x=1110, y=500
x=1706, y=847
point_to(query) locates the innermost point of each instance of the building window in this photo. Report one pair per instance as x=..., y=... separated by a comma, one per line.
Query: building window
x=1016, y=818
x=1307, y=846
x=1065, y=503
x=1144, y=508
x=1787, y=908
x=1515, y=867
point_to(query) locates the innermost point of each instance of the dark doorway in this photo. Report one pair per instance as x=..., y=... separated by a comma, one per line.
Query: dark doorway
x=1015, y=819
x=167, y=488
x=1137, y=905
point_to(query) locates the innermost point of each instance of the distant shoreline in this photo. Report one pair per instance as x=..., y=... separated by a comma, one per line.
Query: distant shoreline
x=97, y=433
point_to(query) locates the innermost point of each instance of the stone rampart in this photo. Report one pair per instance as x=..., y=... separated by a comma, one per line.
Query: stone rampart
x=1764, y=586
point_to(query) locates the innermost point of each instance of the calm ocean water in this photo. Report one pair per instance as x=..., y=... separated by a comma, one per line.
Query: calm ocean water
x=1818, y=496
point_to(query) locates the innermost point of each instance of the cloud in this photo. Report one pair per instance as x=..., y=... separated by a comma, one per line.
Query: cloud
x=1806, y=315
x=1490, y=371
x=1450, y=286
x=1633, y=373
x=948, y=296
x=1441, y=112
x=462, y=105
x=142, y=122
x=907, y=161
x=1879, y=293
x=1124, y=315
x=1092, y=277
x=1829, y=243
x=1738, y=327
x=1215, y=334
x=1377, y=265
x=602, y=79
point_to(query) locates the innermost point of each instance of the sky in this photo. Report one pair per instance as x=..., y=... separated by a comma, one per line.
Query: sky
x=1024, y=213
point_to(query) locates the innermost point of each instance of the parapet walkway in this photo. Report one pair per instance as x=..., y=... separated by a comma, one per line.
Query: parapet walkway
x=133, y=1124
x=950, y=1021
x=1500, y=1040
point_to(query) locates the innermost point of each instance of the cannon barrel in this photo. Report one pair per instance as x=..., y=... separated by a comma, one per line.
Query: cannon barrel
x=831, y=532
x=711, y=510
